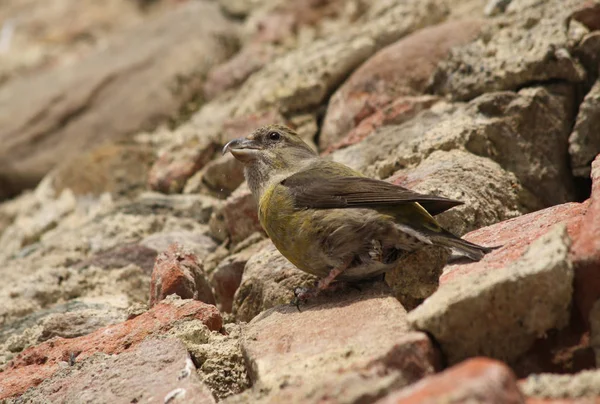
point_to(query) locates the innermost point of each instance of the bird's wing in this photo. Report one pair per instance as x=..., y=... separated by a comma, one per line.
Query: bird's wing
x=314, y=188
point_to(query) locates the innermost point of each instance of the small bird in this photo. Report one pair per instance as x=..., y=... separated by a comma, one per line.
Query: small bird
x=330, y=220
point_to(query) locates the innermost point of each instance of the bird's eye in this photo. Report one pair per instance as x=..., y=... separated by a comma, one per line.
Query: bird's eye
x=274, y=136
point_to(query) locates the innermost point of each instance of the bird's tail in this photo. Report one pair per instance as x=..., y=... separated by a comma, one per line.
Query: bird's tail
x=458, y=245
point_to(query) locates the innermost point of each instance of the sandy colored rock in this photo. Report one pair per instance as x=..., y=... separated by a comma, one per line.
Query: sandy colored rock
x=178, y=271
x=139, y=80
x=269, y=280
x=585, y=384
x=220, y=177
x=400, y=69
x=156, y=371
x=36, y=364
x=122, y=256
x=491, y=313
x=197, y=207
x=193, y=241
x=354, y=345
x=529, y=45
x=584, y=142
x=478, y=380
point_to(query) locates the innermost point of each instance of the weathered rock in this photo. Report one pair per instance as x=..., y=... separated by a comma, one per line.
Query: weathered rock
x=140, y=79
x=478, y=380
x=585, y=384
x=157, y=370
x=122, y=256
x=238, y=217
x=520, y=131
x=226, y=278
x=240, y=8
x=586, y=250
x=354, y=346
x=269, y=280
x=119, y=169
x=303, y=78
x=491, y=313
x=179, y=272
x=530, y=45
x=219, y=177
x=193, y=241
x=398, y=70
x=584, y=142
x=217, y=355
x=197, y=207
x=37, y=363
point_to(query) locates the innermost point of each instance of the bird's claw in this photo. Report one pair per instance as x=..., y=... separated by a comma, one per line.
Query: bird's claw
x=301, y=295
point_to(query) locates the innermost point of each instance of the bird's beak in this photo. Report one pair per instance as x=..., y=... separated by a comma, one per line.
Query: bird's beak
x=242, y=149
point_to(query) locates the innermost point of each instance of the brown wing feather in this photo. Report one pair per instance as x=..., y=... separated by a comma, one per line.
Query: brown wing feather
x=311, y=190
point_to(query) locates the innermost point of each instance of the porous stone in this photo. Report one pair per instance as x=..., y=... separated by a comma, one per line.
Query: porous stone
x=581, y=385
x=500, y=313
x=584, y=142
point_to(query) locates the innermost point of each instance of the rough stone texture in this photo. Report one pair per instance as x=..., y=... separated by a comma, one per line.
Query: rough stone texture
x=478, y=380
x=353, y=346
x=193, y=241
x=218, y=356
x=531, y=44
x=400, y=69
x=226, y=278
x=122, y=256
x=179, y=272
x=155, y=371
x=303, y=78
x=584, y=142
x=120, y=169
x=269, y=280
x=581, y=385
x=500, y=313
x=522, y=132
x=140, y=79
x=197, y=207
x=586, y=250
x=237, y=218
x=220, y=177
x=35, y=364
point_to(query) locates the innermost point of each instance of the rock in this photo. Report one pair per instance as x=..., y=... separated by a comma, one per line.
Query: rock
x=139, y=79
x=119, y=169
x=530, y=45
x=226, y=278
x=584, y=142
x=303, y=78
x=510, y=128
x=398, y=70
x=586, y=251
x=491, y=313
x=121, y=256
x=238, y=217
x=354, y=346
x=197, y=207
x=595, y=331
x=197, y=243
x=478, y=380
x=269, y=280
x=218, y=356
x=219, y=177
x=38, y=363
x=157, y=370
x=240, y=8
x=585, y=384
x=179, y=272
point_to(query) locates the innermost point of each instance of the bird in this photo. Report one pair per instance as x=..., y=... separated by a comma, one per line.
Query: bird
x=330, y=220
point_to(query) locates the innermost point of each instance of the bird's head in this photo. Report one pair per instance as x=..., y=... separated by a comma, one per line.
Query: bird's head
x=270, y=152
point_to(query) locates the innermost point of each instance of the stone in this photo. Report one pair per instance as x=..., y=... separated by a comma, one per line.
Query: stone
x=586, y=251
x=35, y=364
x=354, y=346
x=398, y=70
x=138, y=80
x=269, y=280
x=477, y=380
x=509, y=128
x=595, y=331
x=121, y=256
x=197, y=207
x=581, y=385
x=220, y=177
x=584, y=142
x=492, y=313
x=237, y=218
x=529, y=45
x=193, y=241
x=303, y=78
x=119, y=169
x=179, y=272
x=157, y=370
x=226, y=278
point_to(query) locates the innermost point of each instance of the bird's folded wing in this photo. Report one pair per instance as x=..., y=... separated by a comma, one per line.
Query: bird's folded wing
x=310, y=190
